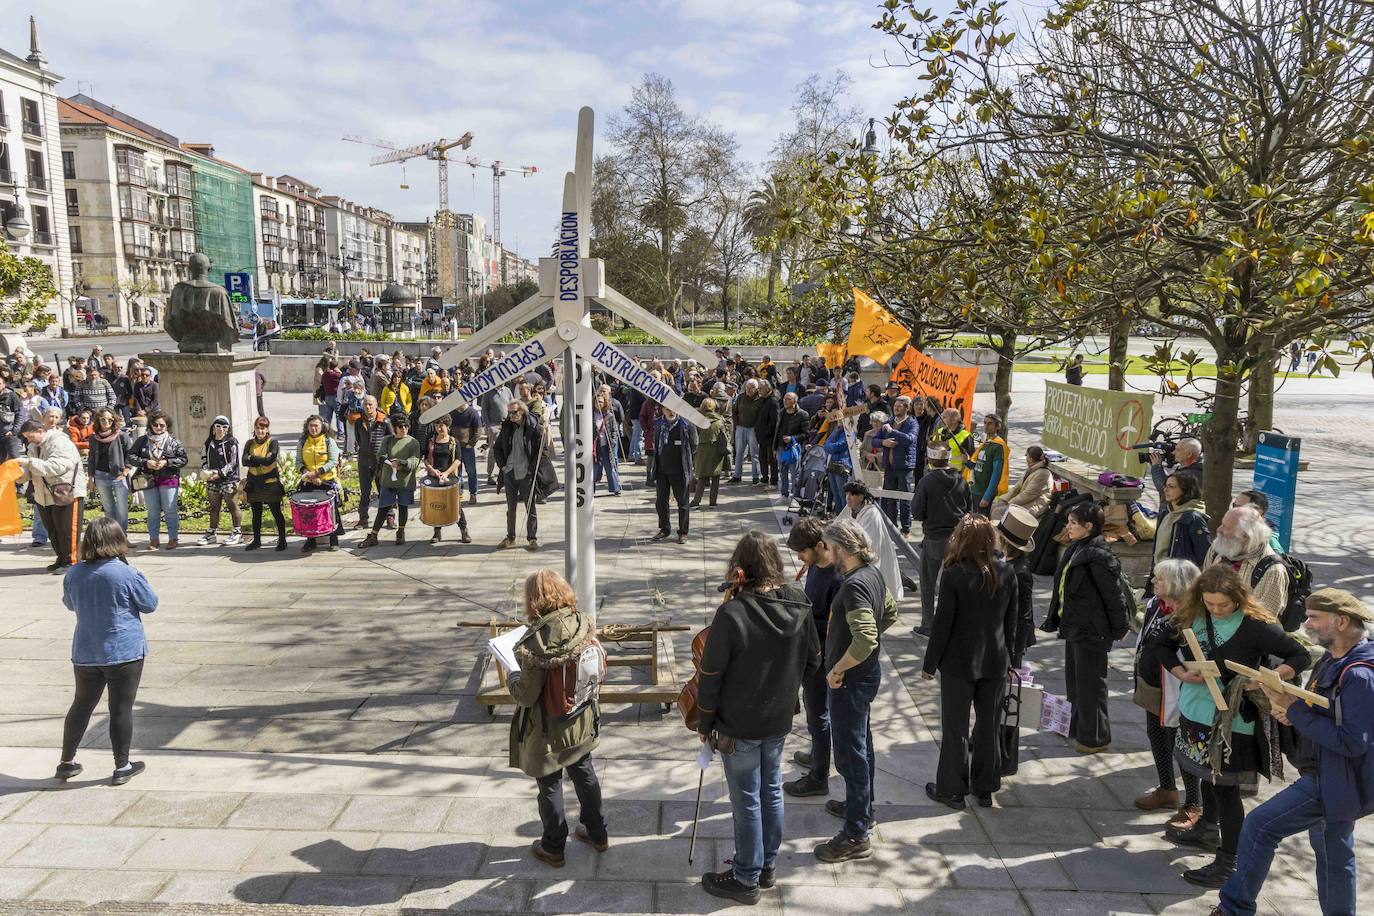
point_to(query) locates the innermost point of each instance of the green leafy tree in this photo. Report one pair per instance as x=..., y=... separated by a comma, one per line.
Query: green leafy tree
x=26, y=290
x=1220, y=152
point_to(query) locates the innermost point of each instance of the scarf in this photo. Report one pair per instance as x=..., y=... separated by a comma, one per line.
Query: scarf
x=106, y=439
x=159, y=440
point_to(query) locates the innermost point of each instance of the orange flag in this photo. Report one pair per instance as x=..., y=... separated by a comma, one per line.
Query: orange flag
x=833, y=354
x=874, y=332
x=10, y=471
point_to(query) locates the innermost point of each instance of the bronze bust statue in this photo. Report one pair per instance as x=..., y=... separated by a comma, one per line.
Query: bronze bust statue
x=201, y=319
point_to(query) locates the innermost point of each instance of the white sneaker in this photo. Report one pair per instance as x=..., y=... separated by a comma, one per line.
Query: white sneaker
x=207, y=540
x=233, y=539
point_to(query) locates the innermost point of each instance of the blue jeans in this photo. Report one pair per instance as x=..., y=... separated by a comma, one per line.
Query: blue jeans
x=636, y=440
x=787, y=477
x=745, y=440
x=162, y=501
x=40, y=533
x=468, y=453
x=1296, y=808
x=836, y=485
x=754, y=774
x=114, y=496
x=899, y=510
x=329, y=410
x=606, y=461
x=853, y=739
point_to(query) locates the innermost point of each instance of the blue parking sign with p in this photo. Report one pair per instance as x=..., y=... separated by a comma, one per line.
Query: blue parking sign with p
x=240, y=283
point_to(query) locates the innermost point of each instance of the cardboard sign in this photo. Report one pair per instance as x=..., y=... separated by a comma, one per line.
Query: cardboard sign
x=919, y=376
x=1096, y=425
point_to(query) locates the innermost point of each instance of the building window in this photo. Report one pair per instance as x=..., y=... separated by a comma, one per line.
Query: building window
x=133, y=203
x=42, y=227
x=38, y=178
x=73, y=206
x=68, y=164
x=138, y=240
x=129, y=167
x=32, y=125
x=74, y=233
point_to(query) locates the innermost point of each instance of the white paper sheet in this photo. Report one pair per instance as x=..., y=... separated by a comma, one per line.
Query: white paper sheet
x=704, y=756
x=502, y=648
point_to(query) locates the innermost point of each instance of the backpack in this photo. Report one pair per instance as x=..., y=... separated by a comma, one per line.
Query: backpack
x=1294, y=613
x=570, y=687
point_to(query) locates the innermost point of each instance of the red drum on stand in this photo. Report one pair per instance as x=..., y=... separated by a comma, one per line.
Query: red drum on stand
x=312, y=513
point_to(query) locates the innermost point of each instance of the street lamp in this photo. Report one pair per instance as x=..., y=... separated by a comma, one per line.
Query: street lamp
x=17, y=227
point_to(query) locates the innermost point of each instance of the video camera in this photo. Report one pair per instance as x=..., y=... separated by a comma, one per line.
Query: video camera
x=1161, y=445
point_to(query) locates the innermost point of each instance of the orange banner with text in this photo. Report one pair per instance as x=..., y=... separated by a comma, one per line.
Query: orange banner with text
x=920, y=376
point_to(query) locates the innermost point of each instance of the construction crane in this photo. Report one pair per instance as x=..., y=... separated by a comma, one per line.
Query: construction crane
x=497, y=173
x=436, y=150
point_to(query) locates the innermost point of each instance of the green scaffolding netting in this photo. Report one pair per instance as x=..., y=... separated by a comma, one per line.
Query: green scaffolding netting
x=224, y=217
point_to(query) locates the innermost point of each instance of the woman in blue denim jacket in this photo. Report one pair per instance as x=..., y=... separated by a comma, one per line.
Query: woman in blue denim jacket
x=109, y=598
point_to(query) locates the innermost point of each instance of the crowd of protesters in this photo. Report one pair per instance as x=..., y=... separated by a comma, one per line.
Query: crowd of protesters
x=982, y=541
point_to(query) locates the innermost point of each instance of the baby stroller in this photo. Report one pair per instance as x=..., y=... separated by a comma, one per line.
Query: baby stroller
x=810, y=488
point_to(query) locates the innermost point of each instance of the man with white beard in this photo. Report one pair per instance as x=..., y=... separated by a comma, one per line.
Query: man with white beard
x=1242, y=540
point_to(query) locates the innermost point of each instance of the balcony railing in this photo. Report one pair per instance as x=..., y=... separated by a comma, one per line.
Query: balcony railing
x=124, y=175
x=73, y=210
x=43, y=238
x=33, y=128
x=273, y=215
x=38, y=183
x=133, y=213
x=181, y=222
x=139, y=251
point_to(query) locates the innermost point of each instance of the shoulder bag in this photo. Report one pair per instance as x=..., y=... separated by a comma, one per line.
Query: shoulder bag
x=64, y=493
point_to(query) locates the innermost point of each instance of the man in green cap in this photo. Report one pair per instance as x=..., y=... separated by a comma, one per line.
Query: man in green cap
x=1334, y=757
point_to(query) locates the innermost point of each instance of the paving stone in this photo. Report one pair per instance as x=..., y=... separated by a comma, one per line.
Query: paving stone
x=223, y=888
x=311, y=851
x=507, y=858
x=1065, y=903
x=15, y=883
x=78, y=846
x=1033, y=867
x=93, y=886
x=689, y=897
x=322, y=736
x=180, y=809
x=424, y=854
x=390, y=812
x=574, y=896
x=198, y=849
x=470, y=895
x=891, y=865
x=85, y=805
x=1139, y=868
x=335, y=890
x=952, y=902
x=288, y=811
x=806, y=899
x=1055, y=827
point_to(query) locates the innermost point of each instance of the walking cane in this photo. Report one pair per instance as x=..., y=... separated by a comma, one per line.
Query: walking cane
x=696, y=818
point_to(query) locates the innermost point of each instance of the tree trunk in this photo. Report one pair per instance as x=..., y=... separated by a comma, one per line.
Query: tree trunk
x=1006, y=362
x=774, y=269
x=1119, y=337
x=1219, y=436
x=1261, y=398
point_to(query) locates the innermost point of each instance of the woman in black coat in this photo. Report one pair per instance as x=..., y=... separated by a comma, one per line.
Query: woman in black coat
x=1230, y=748
x=1088, y=609
x=766, y=430
x=975, y=618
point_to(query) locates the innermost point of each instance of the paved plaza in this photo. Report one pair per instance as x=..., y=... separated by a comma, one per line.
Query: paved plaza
x=313, y=739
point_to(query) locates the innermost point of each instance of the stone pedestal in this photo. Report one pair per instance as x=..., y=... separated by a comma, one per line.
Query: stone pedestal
x=194, y=388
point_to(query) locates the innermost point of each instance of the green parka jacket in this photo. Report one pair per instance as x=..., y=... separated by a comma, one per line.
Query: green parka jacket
x=712, y=460
x=540, y=744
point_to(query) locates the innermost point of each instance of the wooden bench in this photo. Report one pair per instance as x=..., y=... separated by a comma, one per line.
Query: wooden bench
x=662, y=687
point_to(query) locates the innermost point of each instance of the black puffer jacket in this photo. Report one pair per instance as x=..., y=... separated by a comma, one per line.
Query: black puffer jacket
x=1093, y=606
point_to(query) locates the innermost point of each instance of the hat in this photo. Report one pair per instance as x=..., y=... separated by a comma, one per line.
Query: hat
x=1018, y=528
x=220, y=421
x=937, y=453
x=1337, y=601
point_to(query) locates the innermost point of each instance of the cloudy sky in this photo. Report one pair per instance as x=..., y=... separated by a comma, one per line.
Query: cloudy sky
x=276, y=84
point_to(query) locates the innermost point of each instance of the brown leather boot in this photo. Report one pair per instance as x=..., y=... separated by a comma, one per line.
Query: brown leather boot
x=1184, y=818
x=1157, y=800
